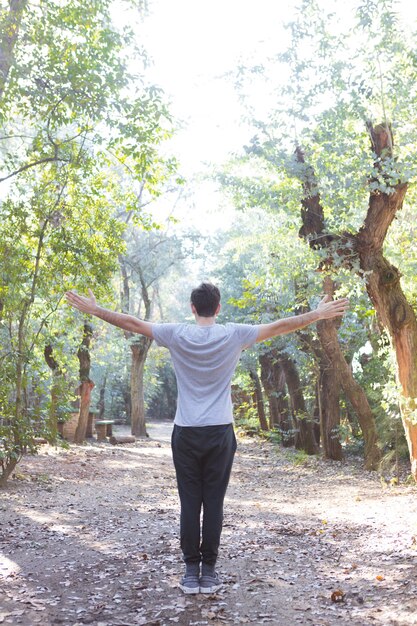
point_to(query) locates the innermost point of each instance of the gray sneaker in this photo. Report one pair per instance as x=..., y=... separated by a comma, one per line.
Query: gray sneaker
x=189, y=583
x=210, y=583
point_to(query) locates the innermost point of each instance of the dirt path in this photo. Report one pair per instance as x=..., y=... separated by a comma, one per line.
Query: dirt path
x=90, y=536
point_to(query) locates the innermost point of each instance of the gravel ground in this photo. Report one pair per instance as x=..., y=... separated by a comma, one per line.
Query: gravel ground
x=89, y=535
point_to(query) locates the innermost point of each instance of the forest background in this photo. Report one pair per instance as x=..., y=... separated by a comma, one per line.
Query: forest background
x=317, y=197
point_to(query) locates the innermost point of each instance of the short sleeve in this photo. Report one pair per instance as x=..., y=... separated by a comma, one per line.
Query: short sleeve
x=246, y=334
x=163, y=334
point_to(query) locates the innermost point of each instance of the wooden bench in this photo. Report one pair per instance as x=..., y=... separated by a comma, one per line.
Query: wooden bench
x=104, y=429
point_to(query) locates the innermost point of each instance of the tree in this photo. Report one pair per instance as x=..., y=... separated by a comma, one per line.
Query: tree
x=74, y=123
x=273, y=381
x=162, y=396
x=150, y=257
x=9, y=29
x=41, y=242
x=257, y=287
x=86, y=384
x=57, y=376
x=352, y=191
x=66, y=82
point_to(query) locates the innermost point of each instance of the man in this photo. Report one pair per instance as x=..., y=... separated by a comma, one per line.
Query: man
x=205, y=356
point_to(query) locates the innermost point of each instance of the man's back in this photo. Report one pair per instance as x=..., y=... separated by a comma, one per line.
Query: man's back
x=204, y=358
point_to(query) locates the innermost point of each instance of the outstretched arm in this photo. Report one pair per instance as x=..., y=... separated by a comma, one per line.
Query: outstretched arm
x=127, y=322
x=327, y=309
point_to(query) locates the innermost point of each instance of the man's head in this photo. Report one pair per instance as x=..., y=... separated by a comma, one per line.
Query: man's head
x=205, y=300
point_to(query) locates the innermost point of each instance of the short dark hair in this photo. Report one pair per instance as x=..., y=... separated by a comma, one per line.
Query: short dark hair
x=206, y=299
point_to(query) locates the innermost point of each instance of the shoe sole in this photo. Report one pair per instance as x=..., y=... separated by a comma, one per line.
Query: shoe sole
x=211, y=589
x=189, y=589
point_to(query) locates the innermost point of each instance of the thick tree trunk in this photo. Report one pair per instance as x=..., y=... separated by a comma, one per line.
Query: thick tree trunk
x=139, y=350
x=7, y=470
x=9, y=30
x=286, y=424
x=273, y=380
x=86, y=385
x=328, y=391
x=353, y=391
x=373, y=233
x=304, y=437
x=398, y=317
x=259, y=401
x=84, y=391
x=327, y=332
x=330, y=412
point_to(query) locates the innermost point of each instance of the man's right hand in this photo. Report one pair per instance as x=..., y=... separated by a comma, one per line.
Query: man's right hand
x=121, y=320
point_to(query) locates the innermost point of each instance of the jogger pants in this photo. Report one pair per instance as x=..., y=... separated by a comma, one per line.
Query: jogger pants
x=203, y=459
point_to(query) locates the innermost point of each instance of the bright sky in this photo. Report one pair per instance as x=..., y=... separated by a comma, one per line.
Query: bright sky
x=193, y=44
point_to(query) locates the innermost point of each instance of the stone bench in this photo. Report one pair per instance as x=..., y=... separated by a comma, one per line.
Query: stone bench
x=104, y=429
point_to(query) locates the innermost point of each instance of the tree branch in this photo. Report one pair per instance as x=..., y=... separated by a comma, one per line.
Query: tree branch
x=382, y=206
x=33, y=164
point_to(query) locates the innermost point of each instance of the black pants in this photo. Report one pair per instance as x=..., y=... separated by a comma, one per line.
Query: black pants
x=203, y=459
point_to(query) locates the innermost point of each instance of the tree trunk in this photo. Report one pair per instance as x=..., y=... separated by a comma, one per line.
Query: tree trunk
x=398, y=317
x=269, y=385
x=304, y=437
x=317, y=414
x=354, y=393
x=9, y=30
x=273, y=380
x=260, y=407
x=371, y=235
x=101, y=404
x=7, y=470
x=328, y=389
x=327, y=332
x=86, y=384
x=330, y=412
x=56, y=376
x=286, y=424
x=139, y=349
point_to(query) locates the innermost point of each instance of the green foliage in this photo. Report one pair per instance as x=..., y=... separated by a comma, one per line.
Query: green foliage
x=300, y=458
x=246, y=418
x=80, y=140
x=344, y=70
x=71, y=87
x=152, y=267
x=160, y=387
x=273, y=436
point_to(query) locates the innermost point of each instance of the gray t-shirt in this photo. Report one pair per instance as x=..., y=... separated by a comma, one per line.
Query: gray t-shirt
x=204, y=358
